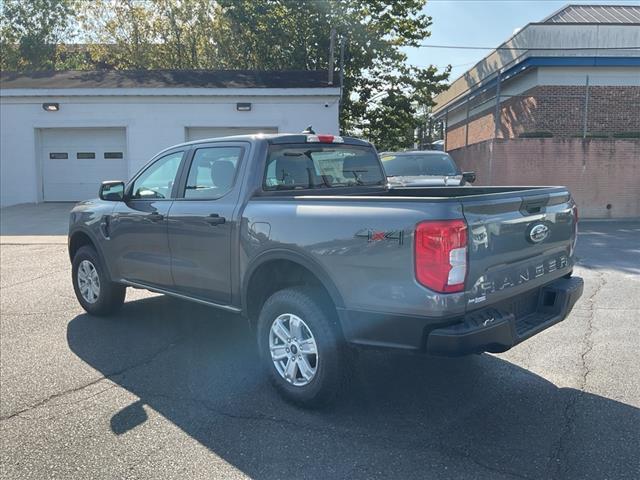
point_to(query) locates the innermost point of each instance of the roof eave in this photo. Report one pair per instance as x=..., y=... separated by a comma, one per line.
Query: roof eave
x=170, y=91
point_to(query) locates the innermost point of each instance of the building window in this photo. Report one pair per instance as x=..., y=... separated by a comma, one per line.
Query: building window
x=113, y=155
x=86, y=155
x=58, y=156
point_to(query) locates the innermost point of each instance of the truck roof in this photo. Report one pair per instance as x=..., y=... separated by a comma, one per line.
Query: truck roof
x=275, y=138
x=415, y=152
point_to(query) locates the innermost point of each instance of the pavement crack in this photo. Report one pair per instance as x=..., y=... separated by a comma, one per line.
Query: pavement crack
x=453, y=452
x=559, y=450
x=109, y=376
x=44, y=401
x=17, y=284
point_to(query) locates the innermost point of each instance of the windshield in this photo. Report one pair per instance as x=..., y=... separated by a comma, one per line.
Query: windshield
x=418, y=164
x=293, y=167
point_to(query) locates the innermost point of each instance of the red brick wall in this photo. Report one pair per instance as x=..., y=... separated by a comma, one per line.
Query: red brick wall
x=558, y=110
x=599, y=172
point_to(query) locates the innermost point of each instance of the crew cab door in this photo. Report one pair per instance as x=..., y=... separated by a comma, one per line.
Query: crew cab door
x=137, y=229
x=201, y=222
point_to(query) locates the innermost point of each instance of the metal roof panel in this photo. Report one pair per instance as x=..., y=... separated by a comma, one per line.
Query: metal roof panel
x=596, y=14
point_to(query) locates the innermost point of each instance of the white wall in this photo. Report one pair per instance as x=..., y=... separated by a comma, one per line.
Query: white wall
x=598, y=76
x=152, y=123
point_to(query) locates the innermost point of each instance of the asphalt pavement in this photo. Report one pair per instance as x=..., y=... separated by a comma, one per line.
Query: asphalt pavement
x=169, y=389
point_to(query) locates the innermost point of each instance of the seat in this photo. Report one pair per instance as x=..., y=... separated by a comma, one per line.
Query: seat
x=222, y=173
x=295, y=171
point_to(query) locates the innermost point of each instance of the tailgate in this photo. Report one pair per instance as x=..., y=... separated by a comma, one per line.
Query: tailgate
x=517, y=241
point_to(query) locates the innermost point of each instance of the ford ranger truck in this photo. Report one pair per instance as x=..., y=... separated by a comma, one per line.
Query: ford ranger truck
x=299, y=235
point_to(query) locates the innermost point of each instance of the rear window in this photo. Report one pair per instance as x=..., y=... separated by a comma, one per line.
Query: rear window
x=408, y=165
x=293, y=167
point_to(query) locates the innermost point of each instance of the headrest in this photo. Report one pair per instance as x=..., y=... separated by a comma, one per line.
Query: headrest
x=222, y=172
x=294, y=170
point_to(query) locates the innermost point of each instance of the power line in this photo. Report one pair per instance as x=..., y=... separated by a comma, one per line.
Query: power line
x=473, y=47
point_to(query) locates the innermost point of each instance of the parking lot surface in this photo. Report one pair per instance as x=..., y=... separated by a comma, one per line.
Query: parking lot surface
x=169, y=389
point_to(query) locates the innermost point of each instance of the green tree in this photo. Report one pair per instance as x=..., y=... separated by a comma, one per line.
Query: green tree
x=120, y=34
x=30, y=32
x=381, y=96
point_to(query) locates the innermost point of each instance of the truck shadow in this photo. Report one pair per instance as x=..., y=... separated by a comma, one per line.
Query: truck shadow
x=402, y=416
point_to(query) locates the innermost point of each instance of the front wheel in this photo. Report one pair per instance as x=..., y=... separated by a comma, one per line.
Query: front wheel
x=301, y=348
x=95, y=291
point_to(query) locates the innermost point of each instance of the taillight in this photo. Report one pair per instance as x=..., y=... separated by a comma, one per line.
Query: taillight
x=324, y=139
x=441, y=255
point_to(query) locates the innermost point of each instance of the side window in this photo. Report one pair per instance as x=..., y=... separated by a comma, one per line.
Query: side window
x=212, y=172
x=156, y=182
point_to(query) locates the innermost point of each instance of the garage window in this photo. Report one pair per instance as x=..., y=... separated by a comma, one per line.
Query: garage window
x=86, y=155
x=58, y=156
x=113, y=155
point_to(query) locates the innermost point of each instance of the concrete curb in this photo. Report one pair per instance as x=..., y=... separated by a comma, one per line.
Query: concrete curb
x=33, y=240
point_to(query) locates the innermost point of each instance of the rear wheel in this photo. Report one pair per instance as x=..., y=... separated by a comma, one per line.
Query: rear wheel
x=301, y=348
x=95, y=292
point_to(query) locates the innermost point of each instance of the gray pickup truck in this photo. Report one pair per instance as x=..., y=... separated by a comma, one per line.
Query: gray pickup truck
x=299, y=234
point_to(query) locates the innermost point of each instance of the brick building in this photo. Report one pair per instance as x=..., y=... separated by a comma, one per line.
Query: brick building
x=568, y=86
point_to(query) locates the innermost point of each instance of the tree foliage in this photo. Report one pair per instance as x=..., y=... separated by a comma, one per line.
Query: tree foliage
x=30, y=32
x=383, y=97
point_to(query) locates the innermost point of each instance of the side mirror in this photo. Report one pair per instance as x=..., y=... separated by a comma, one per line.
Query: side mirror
x=469, y=177
x=112, y=191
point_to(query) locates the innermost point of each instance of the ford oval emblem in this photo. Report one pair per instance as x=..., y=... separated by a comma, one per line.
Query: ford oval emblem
x=538, y=233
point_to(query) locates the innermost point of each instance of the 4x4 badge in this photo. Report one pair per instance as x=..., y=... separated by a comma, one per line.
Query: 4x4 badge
x=373, y=236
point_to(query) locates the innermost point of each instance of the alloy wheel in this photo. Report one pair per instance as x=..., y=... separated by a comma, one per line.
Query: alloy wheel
x=294, y=351
x=88, y=281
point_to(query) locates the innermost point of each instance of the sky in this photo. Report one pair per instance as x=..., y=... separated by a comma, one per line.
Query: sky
x=482, y=23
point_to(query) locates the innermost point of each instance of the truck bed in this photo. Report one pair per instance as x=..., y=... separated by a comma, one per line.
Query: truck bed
x=409, y=193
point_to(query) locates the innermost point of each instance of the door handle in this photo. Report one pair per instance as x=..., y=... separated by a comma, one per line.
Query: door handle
x=155, y=217
x=215, y=219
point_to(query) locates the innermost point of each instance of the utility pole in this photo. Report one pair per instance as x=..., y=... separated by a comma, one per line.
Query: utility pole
x=332, y=46
x=342, y=46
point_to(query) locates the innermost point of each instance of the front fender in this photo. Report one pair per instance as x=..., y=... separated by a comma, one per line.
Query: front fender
x=95, y=242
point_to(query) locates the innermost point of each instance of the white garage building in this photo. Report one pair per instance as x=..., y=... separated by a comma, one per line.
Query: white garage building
x=62, y=133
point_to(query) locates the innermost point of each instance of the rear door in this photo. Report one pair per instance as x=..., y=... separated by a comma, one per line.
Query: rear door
x=517, y=241
x=201, y=221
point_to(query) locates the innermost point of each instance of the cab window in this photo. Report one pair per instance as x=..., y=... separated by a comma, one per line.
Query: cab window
x=156, y=182
x=310, y=166
x=212, y=172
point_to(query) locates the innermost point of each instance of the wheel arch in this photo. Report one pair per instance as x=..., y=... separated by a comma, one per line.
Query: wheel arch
x=82, y=237
x=278, y=263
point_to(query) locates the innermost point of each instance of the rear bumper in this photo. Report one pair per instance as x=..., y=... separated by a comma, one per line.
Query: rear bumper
x=491, y=329
x=497, y=330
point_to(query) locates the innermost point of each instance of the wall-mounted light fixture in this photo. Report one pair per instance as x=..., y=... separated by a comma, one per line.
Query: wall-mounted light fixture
x=51, y=107
x=243, y=107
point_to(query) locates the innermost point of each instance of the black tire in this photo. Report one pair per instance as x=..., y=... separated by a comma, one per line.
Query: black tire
x=111, y=296
x=332, y=363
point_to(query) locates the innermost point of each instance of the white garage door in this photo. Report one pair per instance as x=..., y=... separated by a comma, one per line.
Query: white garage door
x=198, y=133
x=76, y=160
